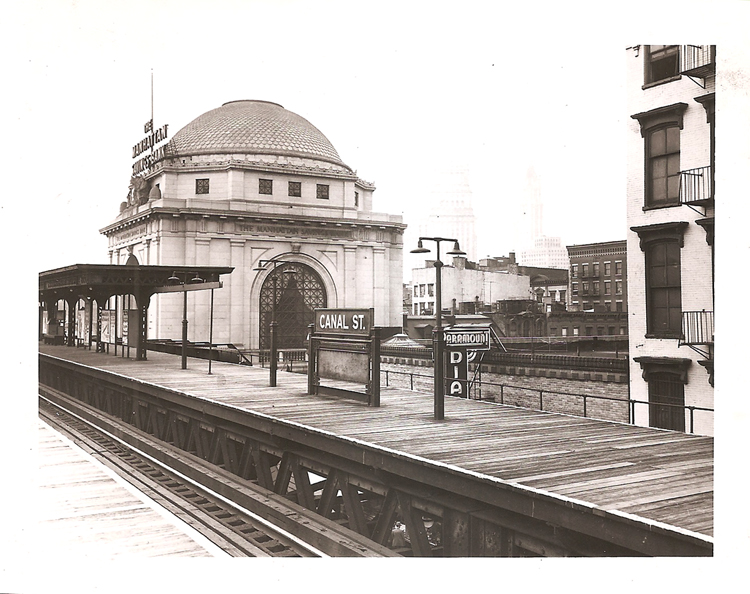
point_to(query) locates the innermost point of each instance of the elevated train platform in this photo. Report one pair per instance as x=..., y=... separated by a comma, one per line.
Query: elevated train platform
x=87, y=512
x=489, y=480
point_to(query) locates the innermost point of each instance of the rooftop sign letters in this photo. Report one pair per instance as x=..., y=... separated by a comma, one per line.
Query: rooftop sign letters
x=468, y=337
x=150, y=142
x=343, y=321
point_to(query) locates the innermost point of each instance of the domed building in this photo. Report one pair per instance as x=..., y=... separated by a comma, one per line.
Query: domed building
x=249, y=182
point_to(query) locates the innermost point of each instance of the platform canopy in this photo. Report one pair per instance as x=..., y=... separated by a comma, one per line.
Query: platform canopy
x=101, y=281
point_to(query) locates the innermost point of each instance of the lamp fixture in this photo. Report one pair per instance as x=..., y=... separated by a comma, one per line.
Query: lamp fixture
x=456, y=251
x=420, y=249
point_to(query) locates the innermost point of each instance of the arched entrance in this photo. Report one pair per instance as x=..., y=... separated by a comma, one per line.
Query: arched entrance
x=296, y=289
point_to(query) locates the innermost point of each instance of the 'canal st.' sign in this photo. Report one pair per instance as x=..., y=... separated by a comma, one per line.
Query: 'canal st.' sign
x=343, y=321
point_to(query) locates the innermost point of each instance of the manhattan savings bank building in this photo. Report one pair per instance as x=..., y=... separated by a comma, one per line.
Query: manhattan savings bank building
x=254, y=186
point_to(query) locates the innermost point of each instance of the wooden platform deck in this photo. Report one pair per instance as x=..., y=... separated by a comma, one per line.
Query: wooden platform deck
x=658, y=475
x=84, y=512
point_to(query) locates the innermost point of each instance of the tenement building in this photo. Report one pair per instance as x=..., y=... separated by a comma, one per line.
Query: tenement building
x=670, y=241
x=598, y=274
x=254, y=186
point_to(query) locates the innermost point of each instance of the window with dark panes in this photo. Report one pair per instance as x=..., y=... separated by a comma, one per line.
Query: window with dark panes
x=618, y=268
x=585, y=271
x=663, y=289
x=574, y=270
x=595, y=267
x=322, y=191
x=295, y=189
x=201, y=186
x=662, y=62
x=607, y=288
x=585, y=288
x=607, y=269
x=595, y=287
x=265, y=186
x=574, y=288
x=663, y=166
x=618, y=287
x=666, y=396
x=356, y=198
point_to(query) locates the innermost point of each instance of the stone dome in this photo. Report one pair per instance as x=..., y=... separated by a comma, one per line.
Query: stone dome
x=253, y=127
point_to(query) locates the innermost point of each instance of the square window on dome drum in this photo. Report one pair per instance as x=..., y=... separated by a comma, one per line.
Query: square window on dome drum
x=201, y=186
x=265, y=186
x=295, y=189
x=322, y=191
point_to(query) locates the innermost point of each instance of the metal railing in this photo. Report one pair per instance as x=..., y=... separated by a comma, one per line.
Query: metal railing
x=659, y=408
x=697, y=327
x=603, y=364
x=542, y=397
x=696, y=185
x=696, y=58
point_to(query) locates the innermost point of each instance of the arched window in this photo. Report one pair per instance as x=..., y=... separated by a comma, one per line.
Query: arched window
x=295, y=290
x=663, y=166
x=663, y=289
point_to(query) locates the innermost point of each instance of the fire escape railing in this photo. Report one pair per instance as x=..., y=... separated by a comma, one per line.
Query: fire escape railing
x=696, y=186
x=697, y=329
x=697, y=60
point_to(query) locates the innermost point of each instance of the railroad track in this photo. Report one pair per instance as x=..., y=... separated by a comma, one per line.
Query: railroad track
x=233, y=528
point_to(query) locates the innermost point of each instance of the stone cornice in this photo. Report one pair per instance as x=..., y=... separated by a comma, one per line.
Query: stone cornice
x=673, y=365
x=661, y=115
x=673, y=230
x=263, y=166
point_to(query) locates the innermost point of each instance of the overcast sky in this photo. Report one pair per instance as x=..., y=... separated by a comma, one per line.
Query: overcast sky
x=402, y=90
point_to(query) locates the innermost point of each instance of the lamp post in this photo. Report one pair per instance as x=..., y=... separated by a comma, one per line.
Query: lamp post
x=273, y=363
x=438, y=338
x=176, y=280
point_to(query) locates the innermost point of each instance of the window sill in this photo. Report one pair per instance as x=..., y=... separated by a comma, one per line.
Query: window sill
x=663, y=81
x=662, y=205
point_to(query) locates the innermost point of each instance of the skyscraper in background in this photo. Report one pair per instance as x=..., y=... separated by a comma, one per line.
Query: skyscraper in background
x=535, y=248
x=452, y=214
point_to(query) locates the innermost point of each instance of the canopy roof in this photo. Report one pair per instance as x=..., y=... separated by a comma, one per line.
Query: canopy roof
x=101, y=281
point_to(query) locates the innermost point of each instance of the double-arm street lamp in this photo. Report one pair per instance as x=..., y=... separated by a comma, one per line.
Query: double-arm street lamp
x=273, y=363
x=184, y=281
x=438, y=339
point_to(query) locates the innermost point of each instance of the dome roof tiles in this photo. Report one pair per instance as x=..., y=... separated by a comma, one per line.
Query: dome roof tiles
x=253, y=127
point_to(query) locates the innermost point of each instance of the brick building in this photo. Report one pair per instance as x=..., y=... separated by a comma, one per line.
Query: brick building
x=598, y=275
x=670, y=213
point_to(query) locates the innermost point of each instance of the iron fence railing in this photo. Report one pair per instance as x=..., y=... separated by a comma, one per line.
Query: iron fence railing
x=696, y=185
x=695, y=57
x=421, y=382
x=604, y=364
x=661, y=410
x=697, y=327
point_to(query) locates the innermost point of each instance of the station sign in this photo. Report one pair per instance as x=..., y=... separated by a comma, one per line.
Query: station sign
x=344, y=321
x=476, y=338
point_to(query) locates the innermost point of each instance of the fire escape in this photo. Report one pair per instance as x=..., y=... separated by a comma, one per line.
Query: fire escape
x=697, y=62
x=697, y=192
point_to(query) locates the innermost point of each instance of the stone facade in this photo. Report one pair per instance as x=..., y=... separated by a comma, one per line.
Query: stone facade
x=251, y=181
